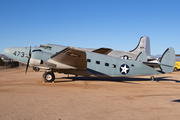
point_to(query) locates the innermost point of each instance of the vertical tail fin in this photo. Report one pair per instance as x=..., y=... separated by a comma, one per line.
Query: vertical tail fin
x=144, y=45
x=167, y=61
x=142, y=57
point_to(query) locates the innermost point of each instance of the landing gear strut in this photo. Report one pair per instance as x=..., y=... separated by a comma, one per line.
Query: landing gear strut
x=49, y=76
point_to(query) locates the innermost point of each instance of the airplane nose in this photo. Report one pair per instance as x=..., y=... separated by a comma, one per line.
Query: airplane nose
x=6, y=51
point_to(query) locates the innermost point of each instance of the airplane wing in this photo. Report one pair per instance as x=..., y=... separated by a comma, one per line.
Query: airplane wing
x=71, y=56
x=104, y=51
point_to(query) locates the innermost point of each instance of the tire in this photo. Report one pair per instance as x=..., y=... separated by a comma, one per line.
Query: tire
x=49, y=76
x=36, y=69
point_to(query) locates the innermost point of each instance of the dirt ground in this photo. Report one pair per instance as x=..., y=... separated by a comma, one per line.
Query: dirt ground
x=26, y=97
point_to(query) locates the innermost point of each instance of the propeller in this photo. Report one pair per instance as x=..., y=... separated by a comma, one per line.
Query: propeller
x=29, y=57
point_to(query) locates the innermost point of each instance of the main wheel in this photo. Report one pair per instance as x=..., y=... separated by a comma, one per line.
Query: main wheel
x=49, y=76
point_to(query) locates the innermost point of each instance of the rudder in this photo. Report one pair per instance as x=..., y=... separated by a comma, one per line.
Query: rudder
x=167, y=61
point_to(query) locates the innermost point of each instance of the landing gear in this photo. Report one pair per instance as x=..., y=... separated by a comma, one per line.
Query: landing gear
x=36, y=69
x=49, y=76
x=152, y=78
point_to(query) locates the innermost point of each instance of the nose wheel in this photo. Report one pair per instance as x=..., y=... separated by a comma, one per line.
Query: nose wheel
x=49, y=76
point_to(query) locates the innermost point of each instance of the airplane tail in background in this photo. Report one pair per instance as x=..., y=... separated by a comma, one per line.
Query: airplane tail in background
x=144, y=45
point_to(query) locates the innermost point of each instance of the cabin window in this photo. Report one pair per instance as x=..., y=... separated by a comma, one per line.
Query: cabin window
x=106, y=64
x=48, y=48
x=97, y=62
x=113, y=66
x=88, y=60
x=37, y=50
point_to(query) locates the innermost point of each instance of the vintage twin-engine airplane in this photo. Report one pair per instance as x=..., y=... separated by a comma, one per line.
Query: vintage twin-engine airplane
x=87, y=62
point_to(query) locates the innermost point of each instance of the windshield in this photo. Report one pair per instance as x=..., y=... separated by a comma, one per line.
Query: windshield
x=46, y=47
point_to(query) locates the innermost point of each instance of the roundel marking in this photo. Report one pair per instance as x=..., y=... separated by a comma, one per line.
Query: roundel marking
x=124, y=69
x=126, y=57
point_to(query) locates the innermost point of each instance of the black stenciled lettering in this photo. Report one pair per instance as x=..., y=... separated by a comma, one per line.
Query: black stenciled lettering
x=22, y=54
x=18, y=53
x=14, y=53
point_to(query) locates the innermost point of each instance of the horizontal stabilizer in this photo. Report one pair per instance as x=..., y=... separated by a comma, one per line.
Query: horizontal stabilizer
x=152, y=64
x=142, y=57
x=72, y=57
x=104, y=51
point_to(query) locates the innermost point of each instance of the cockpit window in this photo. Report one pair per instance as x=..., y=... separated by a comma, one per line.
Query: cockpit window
x=48, y=48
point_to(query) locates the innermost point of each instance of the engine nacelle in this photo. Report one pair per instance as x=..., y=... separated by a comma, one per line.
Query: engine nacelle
x=41, y=64
x=35, y=62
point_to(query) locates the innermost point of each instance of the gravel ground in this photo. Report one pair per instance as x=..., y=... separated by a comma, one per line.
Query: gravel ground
x=26, y=97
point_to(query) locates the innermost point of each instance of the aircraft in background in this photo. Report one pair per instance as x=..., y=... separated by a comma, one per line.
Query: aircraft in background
x=96, y=63
x=143, y=45
x=177, y=63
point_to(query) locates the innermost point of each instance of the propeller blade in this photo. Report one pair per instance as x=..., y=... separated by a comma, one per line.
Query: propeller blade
x=30, y=52
x=28, y=59
x=27, y=65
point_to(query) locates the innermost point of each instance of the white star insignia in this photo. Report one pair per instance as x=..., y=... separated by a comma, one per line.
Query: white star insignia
x=125, y=57
x=124, y=69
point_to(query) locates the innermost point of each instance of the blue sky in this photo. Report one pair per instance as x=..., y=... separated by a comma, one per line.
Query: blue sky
x=116, y=24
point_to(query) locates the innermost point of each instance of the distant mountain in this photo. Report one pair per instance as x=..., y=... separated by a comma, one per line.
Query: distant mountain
x=155, y=56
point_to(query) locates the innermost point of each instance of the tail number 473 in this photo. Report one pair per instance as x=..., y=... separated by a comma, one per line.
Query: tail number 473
x=18, y=53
